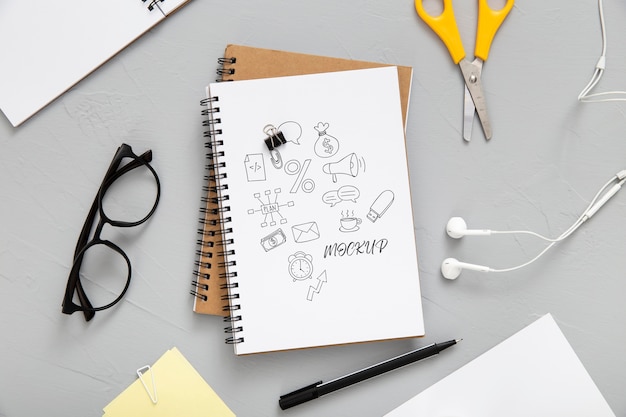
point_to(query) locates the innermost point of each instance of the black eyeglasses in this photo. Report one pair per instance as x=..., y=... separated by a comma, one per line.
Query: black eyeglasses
x=118, y=196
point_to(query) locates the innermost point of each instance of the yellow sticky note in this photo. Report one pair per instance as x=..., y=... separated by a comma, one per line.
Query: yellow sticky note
x=180, y=391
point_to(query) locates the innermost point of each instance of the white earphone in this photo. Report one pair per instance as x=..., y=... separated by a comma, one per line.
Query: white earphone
x=457, y=228
x=451, y=268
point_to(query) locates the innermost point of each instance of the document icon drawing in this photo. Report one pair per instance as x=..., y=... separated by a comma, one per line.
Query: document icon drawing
x=255, y=167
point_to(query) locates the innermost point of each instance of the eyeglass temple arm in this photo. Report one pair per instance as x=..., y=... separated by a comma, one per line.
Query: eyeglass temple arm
x=87, y=226
x=82, y=241
x=138, y=161
x=111, y=174
x=84, y=301
x=75, y=285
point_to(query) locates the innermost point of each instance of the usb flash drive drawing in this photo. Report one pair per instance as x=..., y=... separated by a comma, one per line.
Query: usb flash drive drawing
x=380, y=205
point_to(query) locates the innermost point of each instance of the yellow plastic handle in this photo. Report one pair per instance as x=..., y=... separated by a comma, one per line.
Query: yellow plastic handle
x=489, y=22
x=445, y=27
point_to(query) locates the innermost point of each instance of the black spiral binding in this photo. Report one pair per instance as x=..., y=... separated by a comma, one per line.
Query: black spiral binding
x=205, y=252
x=153, y=3
x=214, y=245
x=224, y=69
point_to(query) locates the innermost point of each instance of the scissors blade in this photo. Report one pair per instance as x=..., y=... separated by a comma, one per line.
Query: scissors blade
x=471, y=74
x=468, y=115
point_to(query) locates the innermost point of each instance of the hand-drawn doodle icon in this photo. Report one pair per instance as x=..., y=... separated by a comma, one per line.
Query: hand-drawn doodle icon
x=348, y=223
x=345, y=193
x=326, y=145
x=300, y=266
x=292, y=131
x=273, y=240
x=305, y=232
x=380, y=205
x=321, y=279
x=270, y=209
x=348, y=165
x=274, y=139
x=293, y=167
x=255, y=167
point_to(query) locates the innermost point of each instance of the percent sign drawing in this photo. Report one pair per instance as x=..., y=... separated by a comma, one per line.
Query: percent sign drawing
x=293, y=167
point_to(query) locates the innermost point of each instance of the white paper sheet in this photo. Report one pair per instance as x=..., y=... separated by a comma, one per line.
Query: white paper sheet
x=533, y=373
x=48, y=46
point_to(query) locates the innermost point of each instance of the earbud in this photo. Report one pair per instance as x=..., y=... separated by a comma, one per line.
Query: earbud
x=451, y=268
x=457, y=228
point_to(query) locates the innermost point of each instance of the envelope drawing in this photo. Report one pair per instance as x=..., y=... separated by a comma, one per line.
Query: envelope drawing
x=305, y=232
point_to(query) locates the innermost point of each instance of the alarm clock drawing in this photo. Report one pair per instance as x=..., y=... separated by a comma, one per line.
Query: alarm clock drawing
x=300, y=266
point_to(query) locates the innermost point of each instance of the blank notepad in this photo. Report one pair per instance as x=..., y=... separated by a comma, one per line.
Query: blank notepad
x=48, y=46
x=533, y=373
x=319, y=242
x=180, y=391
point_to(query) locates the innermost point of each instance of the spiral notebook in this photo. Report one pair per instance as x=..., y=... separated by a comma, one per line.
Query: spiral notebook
x=242, y=63
x=49, y=46
x=311, y=176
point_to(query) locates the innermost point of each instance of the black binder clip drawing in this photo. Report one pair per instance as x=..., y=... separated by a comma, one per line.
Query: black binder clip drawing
x=275, y=137
x=153, y=3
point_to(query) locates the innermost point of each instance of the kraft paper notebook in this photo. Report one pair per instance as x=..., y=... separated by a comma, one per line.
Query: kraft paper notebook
x=318, y=241
x=535, y=373
x=242, y=63
x=47, y=46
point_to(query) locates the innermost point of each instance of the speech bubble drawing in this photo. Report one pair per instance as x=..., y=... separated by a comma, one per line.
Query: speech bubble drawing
x=345, y=193
x=331, y=197
x=292, y=131
x=348, y=193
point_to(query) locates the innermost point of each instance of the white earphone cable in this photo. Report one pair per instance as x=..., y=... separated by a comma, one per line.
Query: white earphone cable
x=563, y=235
x=584, y=95
x=579, y=222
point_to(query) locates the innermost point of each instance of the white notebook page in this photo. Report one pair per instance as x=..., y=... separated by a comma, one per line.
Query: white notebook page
x=324, y=244
x=48, y=46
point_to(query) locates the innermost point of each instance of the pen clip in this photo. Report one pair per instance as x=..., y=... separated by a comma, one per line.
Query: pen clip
x=140, y=372
x=308, y=387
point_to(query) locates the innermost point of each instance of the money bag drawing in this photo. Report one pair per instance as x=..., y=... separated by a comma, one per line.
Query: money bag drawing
x=326, y=145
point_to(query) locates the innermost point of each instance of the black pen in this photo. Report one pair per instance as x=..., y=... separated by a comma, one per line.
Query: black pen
x=320, y=388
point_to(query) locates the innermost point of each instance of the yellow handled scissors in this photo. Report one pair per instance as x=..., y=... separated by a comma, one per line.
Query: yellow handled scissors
x=445, y=27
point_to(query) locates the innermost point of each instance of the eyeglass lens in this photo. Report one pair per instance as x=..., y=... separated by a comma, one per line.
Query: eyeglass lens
x=131, y=196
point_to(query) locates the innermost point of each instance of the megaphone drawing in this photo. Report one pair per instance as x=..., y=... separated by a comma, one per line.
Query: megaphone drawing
x=348, y=165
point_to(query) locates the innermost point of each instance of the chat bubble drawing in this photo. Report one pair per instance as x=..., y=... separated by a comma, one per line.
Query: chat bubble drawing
x=348, y=193
x=292, y=131
x=345, y=193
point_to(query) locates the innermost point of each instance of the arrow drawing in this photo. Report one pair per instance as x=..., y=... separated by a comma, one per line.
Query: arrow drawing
x=315, y=290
